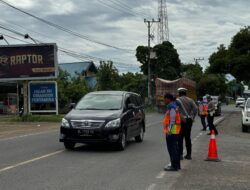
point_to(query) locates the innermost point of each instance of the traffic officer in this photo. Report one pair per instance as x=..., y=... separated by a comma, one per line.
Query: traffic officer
x=171, y=125
x=202, y=112
x=210, y=117
x=188, y=111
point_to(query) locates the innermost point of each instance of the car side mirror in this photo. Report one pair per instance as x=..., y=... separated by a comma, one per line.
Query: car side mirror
x=131, y=106
x=72, y=105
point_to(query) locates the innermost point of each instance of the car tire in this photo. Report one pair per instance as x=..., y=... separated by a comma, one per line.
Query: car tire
x=140, y=137
x=244, y=128
x=121, y=145
x=69, y=145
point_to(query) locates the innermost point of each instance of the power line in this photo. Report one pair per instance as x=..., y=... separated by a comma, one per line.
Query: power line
x=35, y=32
x=125, y=8
x=65, y=29
x=11, y=30
x=14, y=38
x=70, y=53
x=116, y=8
x=129, y=7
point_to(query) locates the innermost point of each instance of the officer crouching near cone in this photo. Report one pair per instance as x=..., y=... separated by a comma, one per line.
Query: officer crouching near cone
x=210, y=117
x=172, y=126
x=188, y=110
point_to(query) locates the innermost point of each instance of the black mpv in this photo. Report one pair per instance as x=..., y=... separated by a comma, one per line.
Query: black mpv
x=104, y=116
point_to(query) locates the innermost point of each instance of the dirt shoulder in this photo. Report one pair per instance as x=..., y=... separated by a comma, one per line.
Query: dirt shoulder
x=12, y=129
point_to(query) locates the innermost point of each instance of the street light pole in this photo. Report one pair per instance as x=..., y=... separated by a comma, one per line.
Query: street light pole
x=27, y=36
x=149, y=24
x=2, y=38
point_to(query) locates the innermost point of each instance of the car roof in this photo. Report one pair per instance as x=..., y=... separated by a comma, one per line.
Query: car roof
x=240, y=98
x=113, y=92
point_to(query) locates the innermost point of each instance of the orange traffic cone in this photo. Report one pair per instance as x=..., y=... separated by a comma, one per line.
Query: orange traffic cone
x=212, y=151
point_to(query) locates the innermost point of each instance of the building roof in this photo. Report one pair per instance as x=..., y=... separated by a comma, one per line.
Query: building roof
x=78, y=67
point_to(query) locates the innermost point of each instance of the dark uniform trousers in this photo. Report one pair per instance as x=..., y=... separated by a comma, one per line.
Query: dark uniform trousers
x=203, y=121
x=210, y=121
x=186, y=133
x=173, y=149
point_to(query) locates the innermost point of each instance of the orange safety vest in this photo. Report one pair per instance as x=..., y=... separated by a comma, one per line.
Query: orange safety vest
x=176, y=127
x=203, y=109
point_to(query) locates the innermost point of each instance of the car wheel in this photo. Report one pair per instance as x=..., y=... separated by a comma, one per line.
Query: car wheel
x=244, y=128
x=69, y=145
x=121, y=145
x=140, y=137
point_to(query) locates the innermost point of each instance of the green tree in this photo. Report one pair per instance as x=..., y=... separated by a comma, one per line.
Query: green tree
x=167, y=65
x=212, y=84
x=235, y=89
x=134, y=83
x=240, y=54
x=219, y=61
x=63, y=82
x=192, y=71
x=77, y=89
x=69, y=89
x=107, y=76
x=235, y=59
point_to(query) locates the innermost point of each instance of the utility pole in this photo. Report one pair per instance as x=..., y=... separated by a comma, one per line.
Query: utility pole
x=149, y=24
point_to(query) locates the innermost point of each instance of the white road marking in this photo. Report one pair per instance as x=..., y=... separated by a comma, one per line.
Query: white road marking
x=30, y=161
x=160, y=175
x=152, y=186
x=27, y=135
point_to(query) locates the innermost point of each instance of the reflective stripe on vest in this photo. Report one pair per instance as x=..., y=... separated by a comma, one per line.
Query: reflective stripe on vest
x=176, y=127
x=204, y=109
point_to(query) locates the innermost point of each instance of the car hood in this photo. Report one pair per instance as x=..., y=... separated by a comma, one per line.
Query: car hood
x=93, y=114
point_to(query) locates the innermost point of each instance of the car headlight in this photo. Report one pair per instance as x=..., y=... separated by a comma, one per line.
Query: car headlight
x=65, y=123
x=248, y=114
x=113, y=123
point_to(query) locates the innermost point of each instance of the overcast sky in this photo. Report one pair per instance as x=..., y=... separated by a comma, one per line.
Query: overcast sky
x=197, y=27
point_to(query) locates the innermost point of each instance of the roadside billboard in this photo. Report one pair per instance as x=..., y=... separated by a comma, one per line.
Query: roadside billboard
x=28, y=62
x=43, y=97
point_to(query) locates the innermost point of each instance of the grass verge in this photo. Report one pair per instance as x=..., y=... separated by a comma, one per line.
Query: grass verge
x=33, y=118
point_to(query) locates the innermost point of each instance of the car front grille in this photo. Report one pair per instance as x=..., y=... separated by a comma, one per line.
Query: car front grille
x=86, y=123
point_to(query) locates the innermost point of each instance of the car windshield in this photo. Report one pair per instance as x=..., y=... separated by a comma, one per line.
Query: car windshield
x=248, y=104
x=100, y=102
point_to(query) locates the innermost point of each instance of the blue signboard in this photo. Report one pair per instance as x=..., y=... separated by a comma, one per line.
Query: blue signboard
x=42, y=93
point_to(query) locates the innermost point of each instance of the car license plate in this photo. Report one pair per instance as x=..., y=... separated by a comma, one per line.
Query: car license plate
x=85, y=132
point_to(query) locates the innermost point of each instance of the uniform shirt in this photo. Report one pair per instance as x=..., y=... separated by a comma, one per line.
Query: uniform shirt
x=189, y=106
x=211, y=107
x=171, y=107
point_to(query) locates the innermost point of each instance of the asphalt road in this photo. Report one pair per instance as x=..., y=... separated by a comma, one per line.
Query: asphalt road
x=39, y=162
